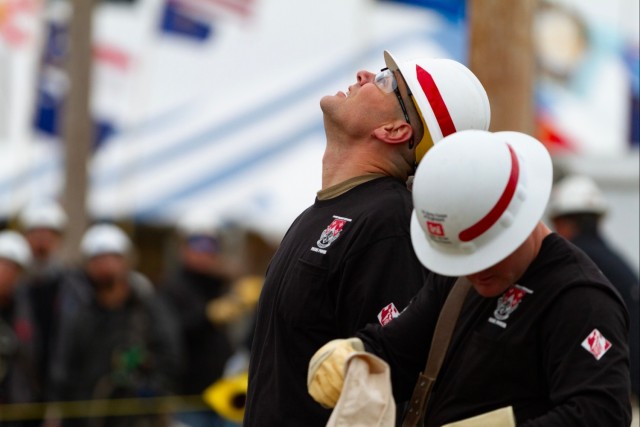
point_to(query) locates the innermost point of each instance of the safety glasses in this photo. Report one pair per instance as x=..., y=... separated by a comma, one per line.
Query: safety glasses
x=386, y=82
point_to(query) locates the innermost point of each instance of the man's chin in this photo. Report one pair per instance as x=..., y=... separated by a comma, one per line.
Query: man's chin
x=488, y=288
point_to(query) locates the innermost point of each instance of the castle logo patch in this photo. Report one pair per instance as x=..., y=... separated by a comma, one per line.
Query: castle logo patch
x=508, y=303
x=387, y=314
x=596, y=344
x=332, y=232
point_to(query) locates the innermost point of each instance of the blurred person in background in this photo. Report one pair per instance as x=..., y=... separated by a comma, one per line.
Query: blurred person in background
x=17, y=332
x=120, y=340
x=347, y=260
x=576, y=210
x=202, y=294
x=43, y=224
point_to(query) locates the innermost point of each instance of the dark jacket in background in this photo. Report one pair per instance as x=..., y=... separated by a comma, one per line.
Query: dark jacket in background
x=206, y=347
x=132, y=351
x=18, y=382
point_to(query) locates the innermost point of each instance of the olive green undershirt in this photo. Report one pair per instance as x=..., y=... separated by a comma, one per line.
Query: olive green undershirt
x=344, y=186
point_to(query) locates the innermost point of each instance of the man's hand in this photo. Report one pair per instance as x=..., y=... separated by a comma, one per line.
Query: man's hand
x=327, y=370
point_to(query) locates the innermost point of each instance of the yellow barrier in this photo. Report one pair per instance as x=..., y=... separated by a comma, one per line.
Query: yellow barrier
x=228, y=396
x=102, y=408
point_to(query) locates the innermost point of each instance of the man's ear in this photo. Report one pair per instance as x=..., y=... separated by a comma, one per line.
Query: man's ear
x=396, y=132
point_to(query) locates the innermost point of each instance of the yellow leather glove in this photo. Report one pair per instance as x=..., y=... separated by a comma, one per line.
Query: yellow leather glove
x=325, y=377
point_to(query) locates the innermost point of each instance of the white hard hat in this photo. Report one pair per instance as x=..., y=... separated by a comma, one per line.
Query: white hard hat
x=15, y=248
x=576, y=194
x=447, y=95
x=477, y=197
x=103, y=239
x=43, y=214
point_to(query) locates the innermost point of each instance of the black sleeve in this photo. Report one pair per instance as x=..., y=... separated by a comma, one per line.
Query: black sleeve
x=586, y=361
x=404, y=343
x=386, y=272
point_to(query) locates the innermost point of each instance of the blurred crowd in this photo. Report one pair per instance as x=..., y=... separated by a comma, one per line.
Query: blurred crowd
x=73, y=337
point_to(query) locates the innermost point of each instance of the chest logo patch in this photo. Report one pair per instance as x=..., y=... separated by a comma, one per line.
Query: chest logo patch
x=596, y=344
x=332, y=232
x=387, y=314
x=507, y=304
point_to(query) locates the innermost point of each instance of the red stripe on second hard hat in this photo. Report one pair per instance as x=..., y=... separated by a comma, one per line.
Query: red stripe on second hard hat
x=500, y=207
x=434, y=97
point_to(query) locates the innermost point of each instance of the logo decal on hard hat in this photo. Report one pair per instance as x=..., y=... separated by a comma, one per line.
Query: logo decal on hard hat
x=435, y=228
x=500, y=207
x=436, y=101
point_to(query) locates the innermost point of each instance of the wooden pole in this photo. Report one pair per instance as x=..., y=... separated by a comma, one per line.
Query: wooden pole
x=78, y=131
x=501, y=54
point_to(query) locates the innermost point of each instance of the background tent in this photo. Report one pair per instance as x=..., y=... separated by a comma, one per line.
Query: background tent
x=217, y=103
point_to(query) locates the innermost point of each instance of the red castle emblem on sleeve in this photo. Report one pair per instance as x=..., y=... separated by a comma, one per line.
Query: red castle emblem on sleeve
x=387, y=314
x=596, y=344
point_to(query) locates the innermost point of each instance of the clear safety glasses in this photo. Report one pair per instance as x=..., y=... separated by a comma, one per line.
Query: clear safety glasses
x=386, y=82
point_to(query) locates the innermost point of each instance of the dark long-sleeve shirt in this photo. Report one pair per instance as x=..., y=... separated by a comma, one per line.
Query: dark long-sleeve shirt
x=345, y=262
x=554, y=346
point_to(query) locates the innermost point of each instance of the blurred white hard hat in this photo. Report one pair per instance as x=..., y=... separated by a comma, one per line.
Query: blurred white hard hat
x=448, y=97
x=15, y=248
x=576, y=194
x=477, y=196
x=103, y=239
x=43, y=214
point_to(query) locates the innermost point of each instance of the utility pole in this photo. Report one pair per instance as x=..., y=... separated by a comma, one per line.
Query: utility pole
x=78, y=133
x=501, y=54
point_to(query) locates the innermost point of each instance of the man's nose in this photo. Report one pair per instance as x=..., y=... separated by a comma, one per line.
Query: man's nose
x=364, y=77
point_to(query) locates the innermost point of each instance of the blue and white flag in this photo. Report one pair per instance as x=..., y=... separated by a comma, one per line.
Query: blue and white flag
x=184, y=21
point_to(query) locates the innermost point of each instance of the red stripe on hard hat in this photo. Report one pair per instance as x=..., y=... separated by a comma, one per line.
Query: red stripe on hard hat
x=500, y=207
x=434, y=97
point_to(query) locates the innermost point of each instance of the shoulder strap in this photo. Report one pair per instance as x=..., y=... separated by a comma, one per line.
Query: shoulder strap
x=441, y=337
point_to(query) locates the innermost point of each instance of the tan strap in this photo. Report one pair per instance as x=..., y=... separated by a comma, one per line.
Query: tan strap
x=439, y=344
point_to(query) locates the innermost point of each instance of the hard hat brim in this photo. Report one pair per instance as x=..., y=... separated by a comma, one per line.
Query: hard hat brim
x=432, y=132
